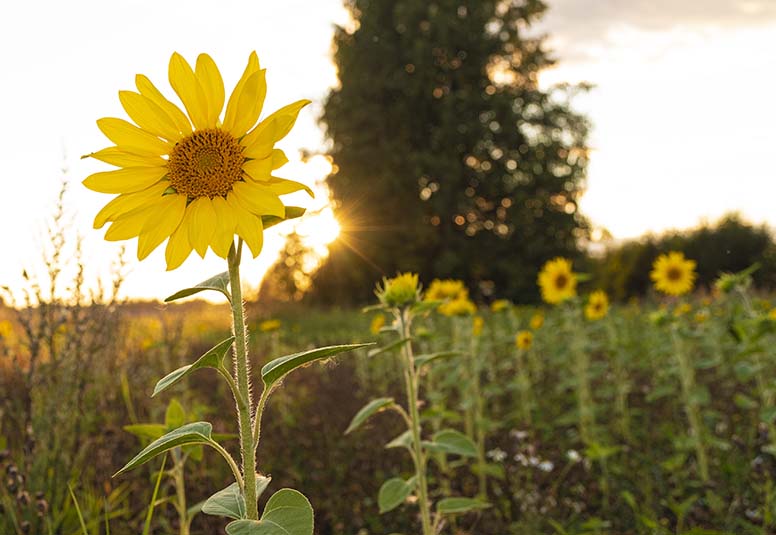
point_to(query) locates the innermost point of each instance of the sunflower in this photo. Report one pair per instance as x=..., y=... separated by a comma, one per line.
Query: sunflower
x=597, y=305
x=402, y=290
x=196, y=178
x=537, y=320
x=460, y=306
x=446, y=289
x=673, y=274
x=524, y=340
x=557, y=282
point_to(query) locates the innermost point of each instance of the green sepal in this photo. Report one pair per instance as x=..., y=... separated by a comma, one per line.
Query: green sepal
x=451, y=506
x=292, y=212
x=230, y=502
x=373, y=407
x=427, y=358
x=452, y=442
x=287, y=512
x=276, y=369
x=393, y=492
x=390, y=347
x=219, y=283
x=212, y=359
x=194, y=433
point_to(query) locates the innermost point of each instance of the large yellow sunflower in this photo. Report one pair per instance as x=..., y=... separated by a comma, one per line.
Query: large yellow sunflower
x=196, y=178
x=673, y=274
x=556, y=281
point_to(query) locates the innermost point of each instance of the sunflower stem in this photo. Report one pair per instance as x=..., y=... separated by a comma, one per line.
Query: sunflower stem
x=242, y=373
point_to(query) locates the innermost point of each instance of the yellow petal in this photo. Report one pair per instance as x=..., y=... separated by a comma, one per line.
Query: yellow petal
x=249, y=226
x=178, y=247
x=202, y=224
x=259, y=142
x=282, y=186
x=258, y=200
x=161, y=224
x=187, y=86
x=130, y=225
x=248, y=104
x=126, y=180
x=149, y=116
x=126, y=134
x=125, y=158
x=129, y=202
x=258, y=169
x=213, y=85
x=279, y=159
x=231, y=107
x=223, y=236
x=148, y=90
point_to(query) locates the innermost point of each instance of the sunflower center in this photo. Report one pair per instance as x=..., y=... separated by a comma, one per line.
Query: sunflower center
x=561, y=281
x=205, y=164
x=674, y=274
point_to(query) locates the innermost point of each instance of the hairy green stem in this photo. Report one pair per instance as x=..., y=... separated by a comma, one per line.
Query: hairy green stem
x=242, y=372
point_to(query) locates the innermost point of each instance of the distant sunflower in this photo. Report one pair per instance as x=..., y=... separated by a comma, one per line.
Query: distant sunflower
x=195, y=177
x=524, y=340
x=557, y=282
x=673, y=274
x=597, y=305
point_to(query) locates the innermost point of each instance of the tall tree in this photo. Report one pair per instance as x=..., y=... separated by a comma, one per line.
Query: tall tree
x=449, y=159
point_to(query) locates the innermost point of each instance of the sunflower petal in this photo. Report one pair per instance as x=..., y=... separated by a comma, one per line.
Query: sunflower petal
x=148, y=115
x=126, y=180
x=279, y=159
x=126, y=134
x=258, y=143
x=258, y=169
x=161, y=224
x=128, y=202
x=231, y=107
x=223, y=237
x=248, y=105
x=129, y=225
x=202, y=224
x=258, y=200
x=125, y=158
x=213, y=85
x=148, y=90
x=282, y=186
x=187, y=86
x=178, y=247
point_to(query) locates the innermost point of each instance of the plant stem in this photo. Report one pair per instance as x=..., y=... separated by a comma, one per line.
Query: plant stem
x=411, y=380
x=477, y=402
x=242, y=372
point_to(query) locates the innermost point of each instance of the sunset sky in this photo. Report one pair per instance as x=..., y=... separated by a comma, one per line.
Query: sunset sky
x=682, y=109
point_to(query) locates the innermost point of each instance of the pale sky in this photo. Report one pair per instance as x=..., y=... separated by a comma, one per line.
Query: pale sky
x=683, y=109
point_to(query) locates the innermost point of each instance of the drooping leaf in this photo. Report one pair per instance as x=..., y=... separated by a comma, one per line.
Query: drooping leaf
x=212, y=359
x=230, y=502
x=427, y=358
x=373, y=407
x=392, y=494
x=287, y=512
x=193, y=433
x=453, y=442
x=292, y=212
x=219, y=283
x=276, y=369
x=450, y=506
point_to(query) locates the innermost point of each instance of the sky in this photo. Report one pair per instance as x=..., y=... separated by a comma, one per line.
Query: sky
x=682, y=109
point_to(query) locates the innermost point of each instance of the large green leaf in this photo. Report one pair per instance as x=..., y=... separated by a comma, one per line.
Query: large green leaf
x=212, y=359
x=393, y=493
x=449, y=506
x=219, y=283
x=276, y=369
x=374, y=406
x=230, y=502
x=292, y=212
x=194, y=433
x=453, y=442
x=287, y=512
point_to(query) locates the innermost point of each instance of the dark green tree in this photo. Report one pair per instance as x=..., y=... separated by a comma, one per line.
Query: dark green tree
x=450, y=159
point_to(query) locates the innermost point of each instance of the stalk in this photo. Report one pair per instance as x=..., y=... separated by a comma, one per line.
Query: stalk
x=477, y=403
x=242, y=372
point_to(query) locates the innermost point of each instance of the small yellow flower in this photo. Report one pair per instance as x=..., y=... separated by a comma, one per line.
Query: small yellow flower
x=499, y=305
x=269, y=326
x=377, y=323
x=402, y=290
x=772, y=314
x=445, y=289
x=673, y=274
x=701, y=317
x=524, y=340
x=196, y=178
x=597, y=305
x=461, y=306
x=477, y=324
x=682, y=309
x=557, y=282
x=536, y=322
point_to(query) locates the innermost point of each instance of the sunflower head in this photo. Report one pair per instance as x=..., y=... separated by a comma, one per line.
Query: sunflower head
x=460, y=306
x=673, y=274
x=597, y=305
x=524, y=340
x=269, y=325
x=477, y=325
x=198, y=177
x=557, y=282
x=500, y=305
x=537, y=320
x=402, y=290
x=439, y=290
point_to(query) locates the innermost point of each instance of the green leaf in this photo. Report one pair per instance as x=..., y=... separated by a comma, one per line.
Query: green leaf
x=219, y=283
x=373, y=407
x=402, y=441
x=425, y=306
x=427, y=358
x=451, y=506
x=212, y=359
x=287, y=512
x=194, y=433
x=393, y=493
x=292, y=212
x=743, y=401
x=390, y=347
x=175, y=416
x=768, y=414
x=276, y=369
x=452, y=441
x=146, y=431
x=230, y=501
